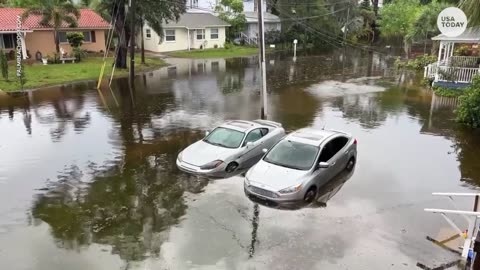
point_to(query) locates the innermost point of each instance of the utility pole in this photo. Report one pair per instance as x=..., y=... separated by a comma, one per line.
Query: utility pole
x=261, y=45
x=132, y=42
x=346, y=27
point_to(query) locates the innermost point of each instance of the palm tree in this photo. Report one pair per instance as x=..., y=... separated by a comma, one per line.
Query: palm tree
x=472, y=9
x=53, y=14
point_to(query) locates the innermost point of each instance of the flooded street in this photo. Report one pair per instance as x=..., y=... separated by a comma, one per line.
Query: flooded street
x=88, y=179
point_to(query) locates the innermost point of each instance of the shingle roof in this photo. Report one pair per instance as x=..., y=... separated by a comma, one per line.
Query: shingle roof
x=196, y=21
x=88, y=20
x=471, y=34
x=252, y=17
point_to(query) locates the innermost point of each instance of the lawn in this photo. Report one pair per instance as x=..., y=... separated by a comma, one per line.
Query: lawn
x=234, y=51
x=38, y=75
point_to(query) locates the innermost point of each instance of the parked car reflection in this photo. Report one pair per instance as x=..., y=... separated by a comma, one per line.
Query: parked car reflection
x=325, y=193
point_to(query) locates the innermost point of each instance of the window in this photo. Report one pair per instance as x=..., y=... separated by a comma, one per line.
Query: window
x=214, y=33
x=253, y=136
x=7, y=41
x=148, y=33
x=170, y=35
x=331, y=148
x=62, y=37
x=293, y=155
x=200, y=34
x=225, y=137
x=88, y=37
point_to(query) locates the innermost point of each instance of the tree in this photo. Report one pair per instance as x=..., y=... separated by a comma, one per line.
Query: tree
x=425, y=25
x=231, y=11
x=472, y=10
x=76, y=40
x=53, y=14
x=4, y=65
x=468, y=111
x=397, y=20
x=154, y=12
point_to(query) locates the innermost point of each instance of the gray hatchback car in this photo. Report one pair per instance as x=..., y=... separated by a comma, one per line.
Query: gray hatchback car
x=298, y=165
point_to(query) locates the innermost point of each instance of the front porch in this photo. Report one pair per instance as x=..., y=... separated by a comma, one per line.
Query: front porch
x=454, y=71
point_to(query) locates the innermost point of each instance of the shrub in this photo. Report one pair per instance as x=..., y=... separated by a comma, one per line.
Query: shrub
x=415, y=64
x=468, y=111
x=447, y=92
x=4, y=65
x=462, y=51
x=75, y=39
x=228, y=45
x=79, y=54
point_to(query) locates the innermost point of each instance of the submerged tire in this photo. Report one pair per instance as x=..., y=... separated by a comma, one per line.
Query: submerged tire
x=231, y=167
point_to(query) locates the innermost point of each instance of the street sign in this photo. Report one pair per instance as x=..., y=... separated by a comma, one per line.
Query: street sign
x=452, y=22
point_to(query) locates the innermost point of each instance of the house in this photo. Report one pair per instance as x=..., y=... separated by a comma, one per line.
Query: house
x=249, y=35
x=271, y=23
x=38, y=40
x=450, y=70
x=192, y=31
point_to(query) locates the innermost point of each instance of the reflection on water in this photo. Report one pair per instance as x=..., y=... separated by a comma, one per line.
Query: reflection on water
x=98, y=168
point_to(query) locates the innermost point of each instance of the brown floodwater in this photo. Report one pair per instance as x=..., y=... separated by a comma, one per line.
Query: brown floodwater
x=88, y=178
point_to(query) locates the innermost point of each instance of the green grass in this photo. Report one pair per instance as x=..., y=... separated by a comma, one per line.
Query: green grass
x=234, y=51
x=38, y=75
x=448, y=92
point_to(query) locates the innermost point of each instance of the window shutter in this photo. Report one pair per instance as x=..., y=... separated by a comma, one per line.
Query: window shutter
x=94, y=39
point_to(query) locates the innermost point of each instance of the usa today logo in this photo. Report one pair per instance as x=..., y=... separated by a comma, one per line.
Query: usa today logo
x=452, y=22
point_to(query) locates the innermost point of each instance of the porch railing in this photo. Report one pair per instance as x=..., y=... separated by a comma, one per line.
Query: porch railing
x=430, y=70
x=456, y=74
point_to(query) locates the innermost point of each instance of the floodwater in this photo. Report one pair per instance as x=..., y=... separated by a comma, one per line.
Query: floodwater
x=88, y=179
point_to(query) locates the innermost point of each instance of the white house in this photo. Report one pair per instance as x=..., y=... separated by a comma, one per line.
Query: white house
x=192, y=31
x=249, y=35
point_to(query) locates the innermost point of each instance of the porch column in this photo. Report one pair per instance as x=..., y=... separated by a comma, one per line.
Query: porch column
x=188, y=39
x=24, y=46
x=440, y=48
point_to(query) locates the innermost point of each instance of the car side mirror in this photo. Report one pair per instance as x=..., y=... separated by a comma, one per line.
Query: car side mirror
x=249, y=144
x=323, y=165
x=264, y=150
x=206, y=133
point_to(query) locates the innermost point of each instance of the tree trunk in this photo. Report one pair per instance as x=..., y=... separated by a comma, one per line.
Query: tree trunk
x=120, y=29
x=142, y=44
x=57, y=41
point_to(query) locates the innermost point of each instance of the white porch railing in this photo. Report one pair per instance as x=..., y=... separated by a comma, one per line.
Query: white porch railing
x=430, y=70
x=248, y=40
x=456, y=74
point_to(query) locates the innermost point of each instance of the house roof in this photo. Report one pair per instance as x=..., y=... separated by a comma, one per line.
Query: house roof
x=8, y=20
x=252, y=17
x=471, y=35
x=196, y=21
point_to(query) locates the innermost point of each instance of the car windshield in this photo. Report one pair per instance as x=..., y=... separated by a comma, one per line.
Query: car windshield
x=225, y=137
x=293, y=155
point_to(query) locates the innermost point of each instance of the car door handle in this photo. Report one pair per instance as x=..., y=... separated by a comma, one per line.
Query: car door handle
x=333, y=163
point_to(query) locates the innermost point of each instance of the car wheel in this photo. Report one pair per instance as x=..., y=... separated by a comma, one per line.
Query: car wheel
x=310, y=195
x=231, y=167
x=350, y=164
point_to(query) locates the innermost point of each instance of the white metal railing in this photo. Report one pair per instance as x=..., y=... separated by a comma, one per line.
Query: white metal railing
x=456, y=74
x=248, y=40
x=470, y=216
x=463, y=61
x=430, y=70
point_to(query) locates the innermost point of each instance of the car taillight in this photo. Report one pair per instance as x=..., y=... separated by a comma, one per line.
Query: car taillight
x=355, y=141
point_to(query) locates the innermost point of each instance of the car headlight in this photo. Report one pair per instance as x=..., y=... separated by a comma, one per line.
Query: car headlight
x=291, y=189
x=212, y=165
x=246, y=182
x=179, y=157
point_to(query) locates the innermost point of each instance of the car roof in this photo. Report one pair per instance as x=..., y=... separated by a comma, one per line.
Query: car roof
x=313, y=136
x=245, y=125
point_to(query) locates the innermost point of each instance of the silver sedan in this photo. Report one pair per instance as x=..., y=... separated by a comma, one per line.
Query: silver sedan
x=231, y=147
x=300, y=164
